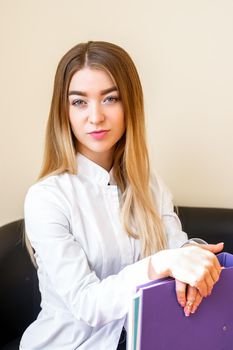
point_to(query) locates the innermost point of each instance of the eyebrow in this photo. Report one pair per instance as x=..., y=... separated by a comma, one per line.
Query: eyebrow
x=102, y=92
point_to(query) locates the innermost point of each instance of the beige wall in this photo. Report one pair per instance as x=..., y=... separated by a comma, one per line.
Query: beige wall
x=184, y=53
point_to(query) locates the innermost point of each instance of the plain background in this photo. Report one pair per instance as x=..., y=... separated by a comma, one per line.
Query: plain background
x=183, y=51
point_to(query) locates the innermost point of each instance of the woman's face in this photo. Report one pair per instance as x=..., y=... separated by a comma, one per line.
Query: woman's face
x=96, y=114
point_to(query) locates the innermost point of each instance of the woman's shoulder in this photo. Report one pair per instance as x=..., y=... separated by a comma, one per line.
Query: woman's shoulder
x=53, y=181
x=52, y=187
x=47, y=183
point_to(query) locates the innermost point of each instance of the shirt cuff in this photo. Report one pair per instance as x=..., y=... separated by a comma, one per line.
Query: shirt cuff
x=194, y=241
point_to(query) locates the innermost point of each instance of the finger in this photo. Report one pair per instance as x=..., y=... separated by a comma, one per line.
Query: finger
x=202, y=287
x=215, y=274
x=210, y=276
x=214, y=267
x=214, y=248
x=181, y=292
x=209, y=283
x=191, y=297
x=197, y=302
x=215, y=271
x=217, y=265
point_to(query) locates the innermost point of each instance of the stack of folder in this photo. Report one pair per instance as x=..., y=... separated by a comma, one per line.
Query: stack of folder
x=157, y=321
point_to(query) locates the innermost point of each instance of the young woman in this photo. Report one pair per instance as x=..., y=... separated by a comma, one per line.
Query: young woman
x=98, y=221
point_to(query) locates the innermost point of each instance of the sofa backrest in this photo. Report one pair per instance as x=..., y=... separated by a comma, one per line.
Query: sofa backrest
x=19, y=292
x=214, y=225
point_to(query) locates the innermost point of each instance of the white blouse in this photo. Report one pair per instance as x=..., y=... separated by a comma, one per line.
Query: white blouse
x=88, y=267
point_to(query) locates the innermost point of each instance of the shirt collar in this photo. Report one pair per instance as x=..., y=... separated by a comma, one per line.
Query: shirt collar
x=93, y=172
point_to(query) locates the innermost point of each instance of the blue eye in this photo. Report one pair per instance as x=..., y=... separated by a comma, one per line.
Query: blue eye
x=78, y=103
x=111, y=99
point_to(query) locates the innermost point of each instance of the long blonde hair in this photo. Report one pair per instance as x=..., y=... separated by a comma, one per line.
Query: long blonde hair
x=131, y=164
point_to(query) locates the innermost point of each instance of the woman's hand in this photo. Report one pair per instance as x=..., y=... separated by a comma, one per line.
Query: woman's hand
x=194, y=265
x=189, y=297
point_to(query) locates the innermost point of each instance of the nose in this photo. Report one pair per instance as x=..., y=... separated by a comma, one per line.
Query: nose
x=96, y=115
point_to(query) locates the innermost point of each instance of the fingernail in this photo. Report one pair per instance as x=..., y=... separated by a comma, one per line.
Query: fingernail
x=187, y=310
x=182, y=303
x=194, y=309
x=187, y=313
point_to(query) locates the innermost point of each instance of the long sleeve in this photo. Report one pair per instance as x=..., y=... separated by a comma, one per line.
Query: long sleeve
x=66, y=265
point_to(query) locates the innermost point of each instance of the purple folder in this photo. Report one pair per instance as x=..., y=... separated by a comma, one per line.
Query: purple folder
x=163, y=325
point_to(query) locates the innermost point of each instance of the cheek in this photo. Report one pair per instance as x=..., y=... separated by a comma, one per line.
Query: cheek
x=119, y=118
x=71, y=115
x=75, y=118
x=75, y=124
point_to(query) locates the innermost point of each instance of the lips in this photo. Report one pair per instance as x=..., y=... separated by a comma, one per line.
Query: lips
x=99, y=134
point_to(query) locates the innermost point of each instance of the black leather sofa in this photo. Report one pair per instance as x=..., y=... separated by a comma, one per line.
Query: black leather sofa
x=19, y=293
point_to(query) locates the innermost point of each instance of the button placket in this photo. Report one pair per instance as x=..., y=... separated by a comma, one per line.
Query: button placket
x=122, y=238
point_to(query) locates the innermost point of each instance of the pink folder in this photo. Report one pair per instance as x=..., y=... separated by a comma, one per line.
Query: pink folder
x=163, y=325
